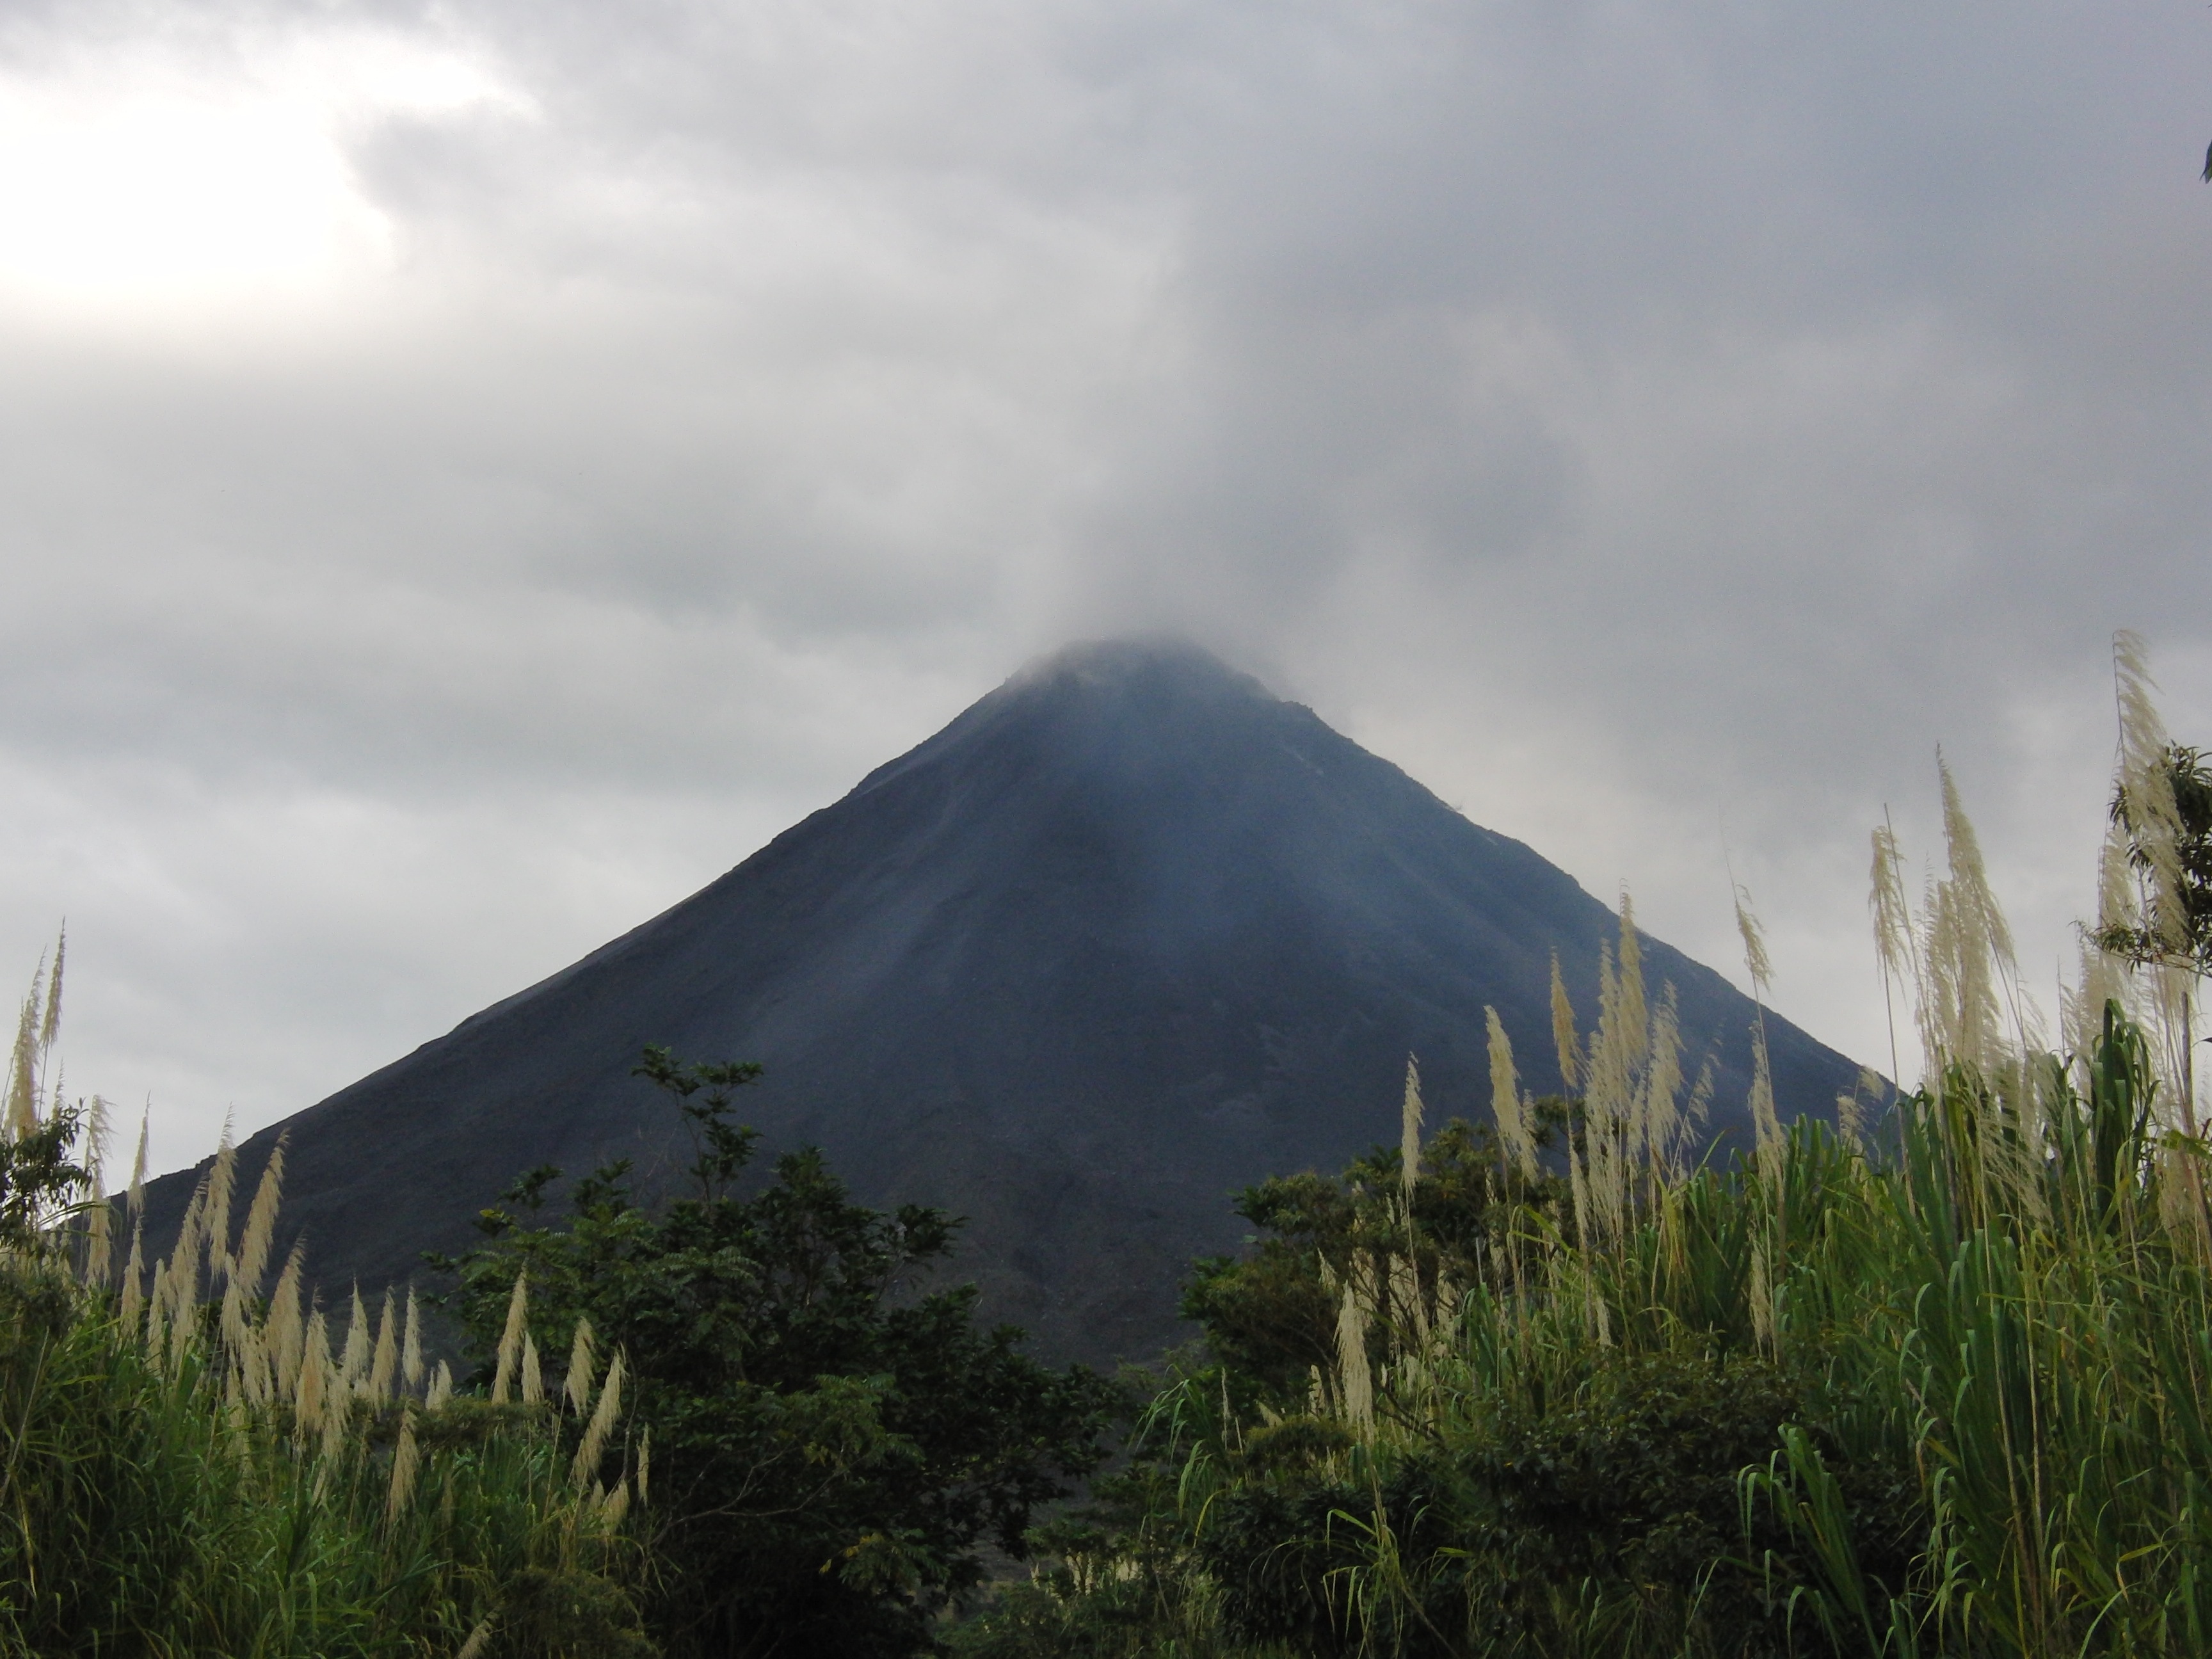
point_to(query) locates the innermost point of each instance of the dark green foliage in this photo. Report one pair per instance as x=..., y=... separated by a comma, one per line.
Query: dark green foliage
x=1629, y=1483
x=39, y=1179
x=140, y=1513
x=832, y=1446
x=1957, y=1405
x=1270, y=1315
x=2186, y=936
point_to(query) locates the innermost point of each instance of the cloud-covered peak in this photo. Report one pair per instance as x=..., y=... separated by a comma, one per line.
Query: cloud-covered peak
x=1655, y=426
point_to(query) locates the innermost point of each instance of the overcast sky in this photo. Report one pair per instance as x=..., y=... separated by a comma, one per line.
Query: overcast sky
x=474, y=471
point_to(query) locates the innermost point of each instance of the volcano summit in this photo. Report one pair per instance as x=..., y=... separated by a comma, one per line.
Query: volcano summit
x=1128, y=934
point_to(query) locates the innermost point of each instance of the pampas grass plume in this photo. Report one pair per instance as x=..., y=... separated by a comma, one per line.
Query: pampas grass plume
x=534, y=1377
x=181, y=1283
x=154, y=1299
x=510, y=1340
x=1409, y=1133
x=404, y=1459
x=384, y=1365
x=139, y=1164
x=1755, y=947
x=601, y=1425
x=1563, y=1031
x=134, y=1272
x=1659, y=1116
x=577, y=1386
x=1766, y=1128
x=283, y=1329
x=1505, y=1100
x=1355, y=1381
x=410, y=1350
x=22, y=1101
x=354, y=1364
x=49, y=1025
x=1635, y=1033
x=220, y=1181
x=261, y=1221
x=311, y=1395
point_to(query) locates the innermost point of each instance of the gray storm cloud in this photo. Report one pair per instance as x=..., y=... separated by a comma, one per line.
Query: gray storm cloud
x=474, y=472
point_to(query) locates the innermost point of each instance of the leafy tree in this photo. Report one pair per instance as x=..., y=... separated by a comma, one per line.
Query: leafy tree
x=831, y=1447
x=2185, y=936
x=1270, y=1315
x=40, y=1184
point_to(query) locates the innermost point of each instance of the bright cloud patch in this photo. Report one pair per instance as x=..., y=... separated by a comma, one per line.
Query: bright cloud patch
x=145, y=182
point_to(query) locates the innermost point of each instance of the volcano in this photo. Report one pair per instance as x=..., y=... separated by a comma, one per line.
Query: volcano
x=1127, y=935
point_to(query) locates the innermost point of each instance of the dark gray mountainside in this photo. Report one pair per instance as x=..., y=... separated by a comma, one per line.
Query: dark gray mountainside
x=1128, y=934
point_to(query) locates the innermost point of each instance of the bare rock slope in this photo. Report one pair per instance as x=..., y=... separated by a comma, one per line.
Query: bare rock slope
x=1127, y=935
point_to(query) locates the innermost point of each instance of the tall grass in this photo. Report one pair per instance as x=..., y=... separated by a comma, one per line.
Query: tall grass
x=1936, y=1381
x=192, y=1461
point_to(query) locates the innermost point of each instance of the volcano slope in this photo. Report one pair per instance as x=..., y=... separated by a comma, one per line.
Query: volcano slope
x=1128, y=934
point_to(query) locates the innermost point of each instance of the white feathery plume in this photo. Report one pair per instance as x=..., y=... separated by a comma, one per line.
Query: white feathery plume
x=384, y=1365
x=21, y=1109
x=510, y=1340
x=1851, y=1110
x=1355, y=1381
x=156, y=1321
x=98, y=1137
x=1766, y=1127
x=1986, y=973
x=441, y=1387
x=220, y=1181
x=261, y=1221
x=232, y=1323
x=1755, y=961
x=1608, y=1102
x=616, y=1506
x=1635, y=1032
x=134, y=1274
x=577, y=1387
x=1659, y=1117
x=100, y=1221
x=1579, y=1187
x=1563, y=1031
x=404, y=1458
x=1892, y=928
x=2117, y=905
x=284, y=1327
x=254, y=1365
x=410, y=1351
x=354, y=1364
x=2100, y=981
x=311, y=1395
x=337, y=1417
x=1761, y=1293
x=138, y=1164
x=534, y=1377
x=1700, y=1103
x=183, y=1268
x=1409, y=1133
x=1505, y=1105
x=50, y=1024
x=588, y=1454
x=2146, y=786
